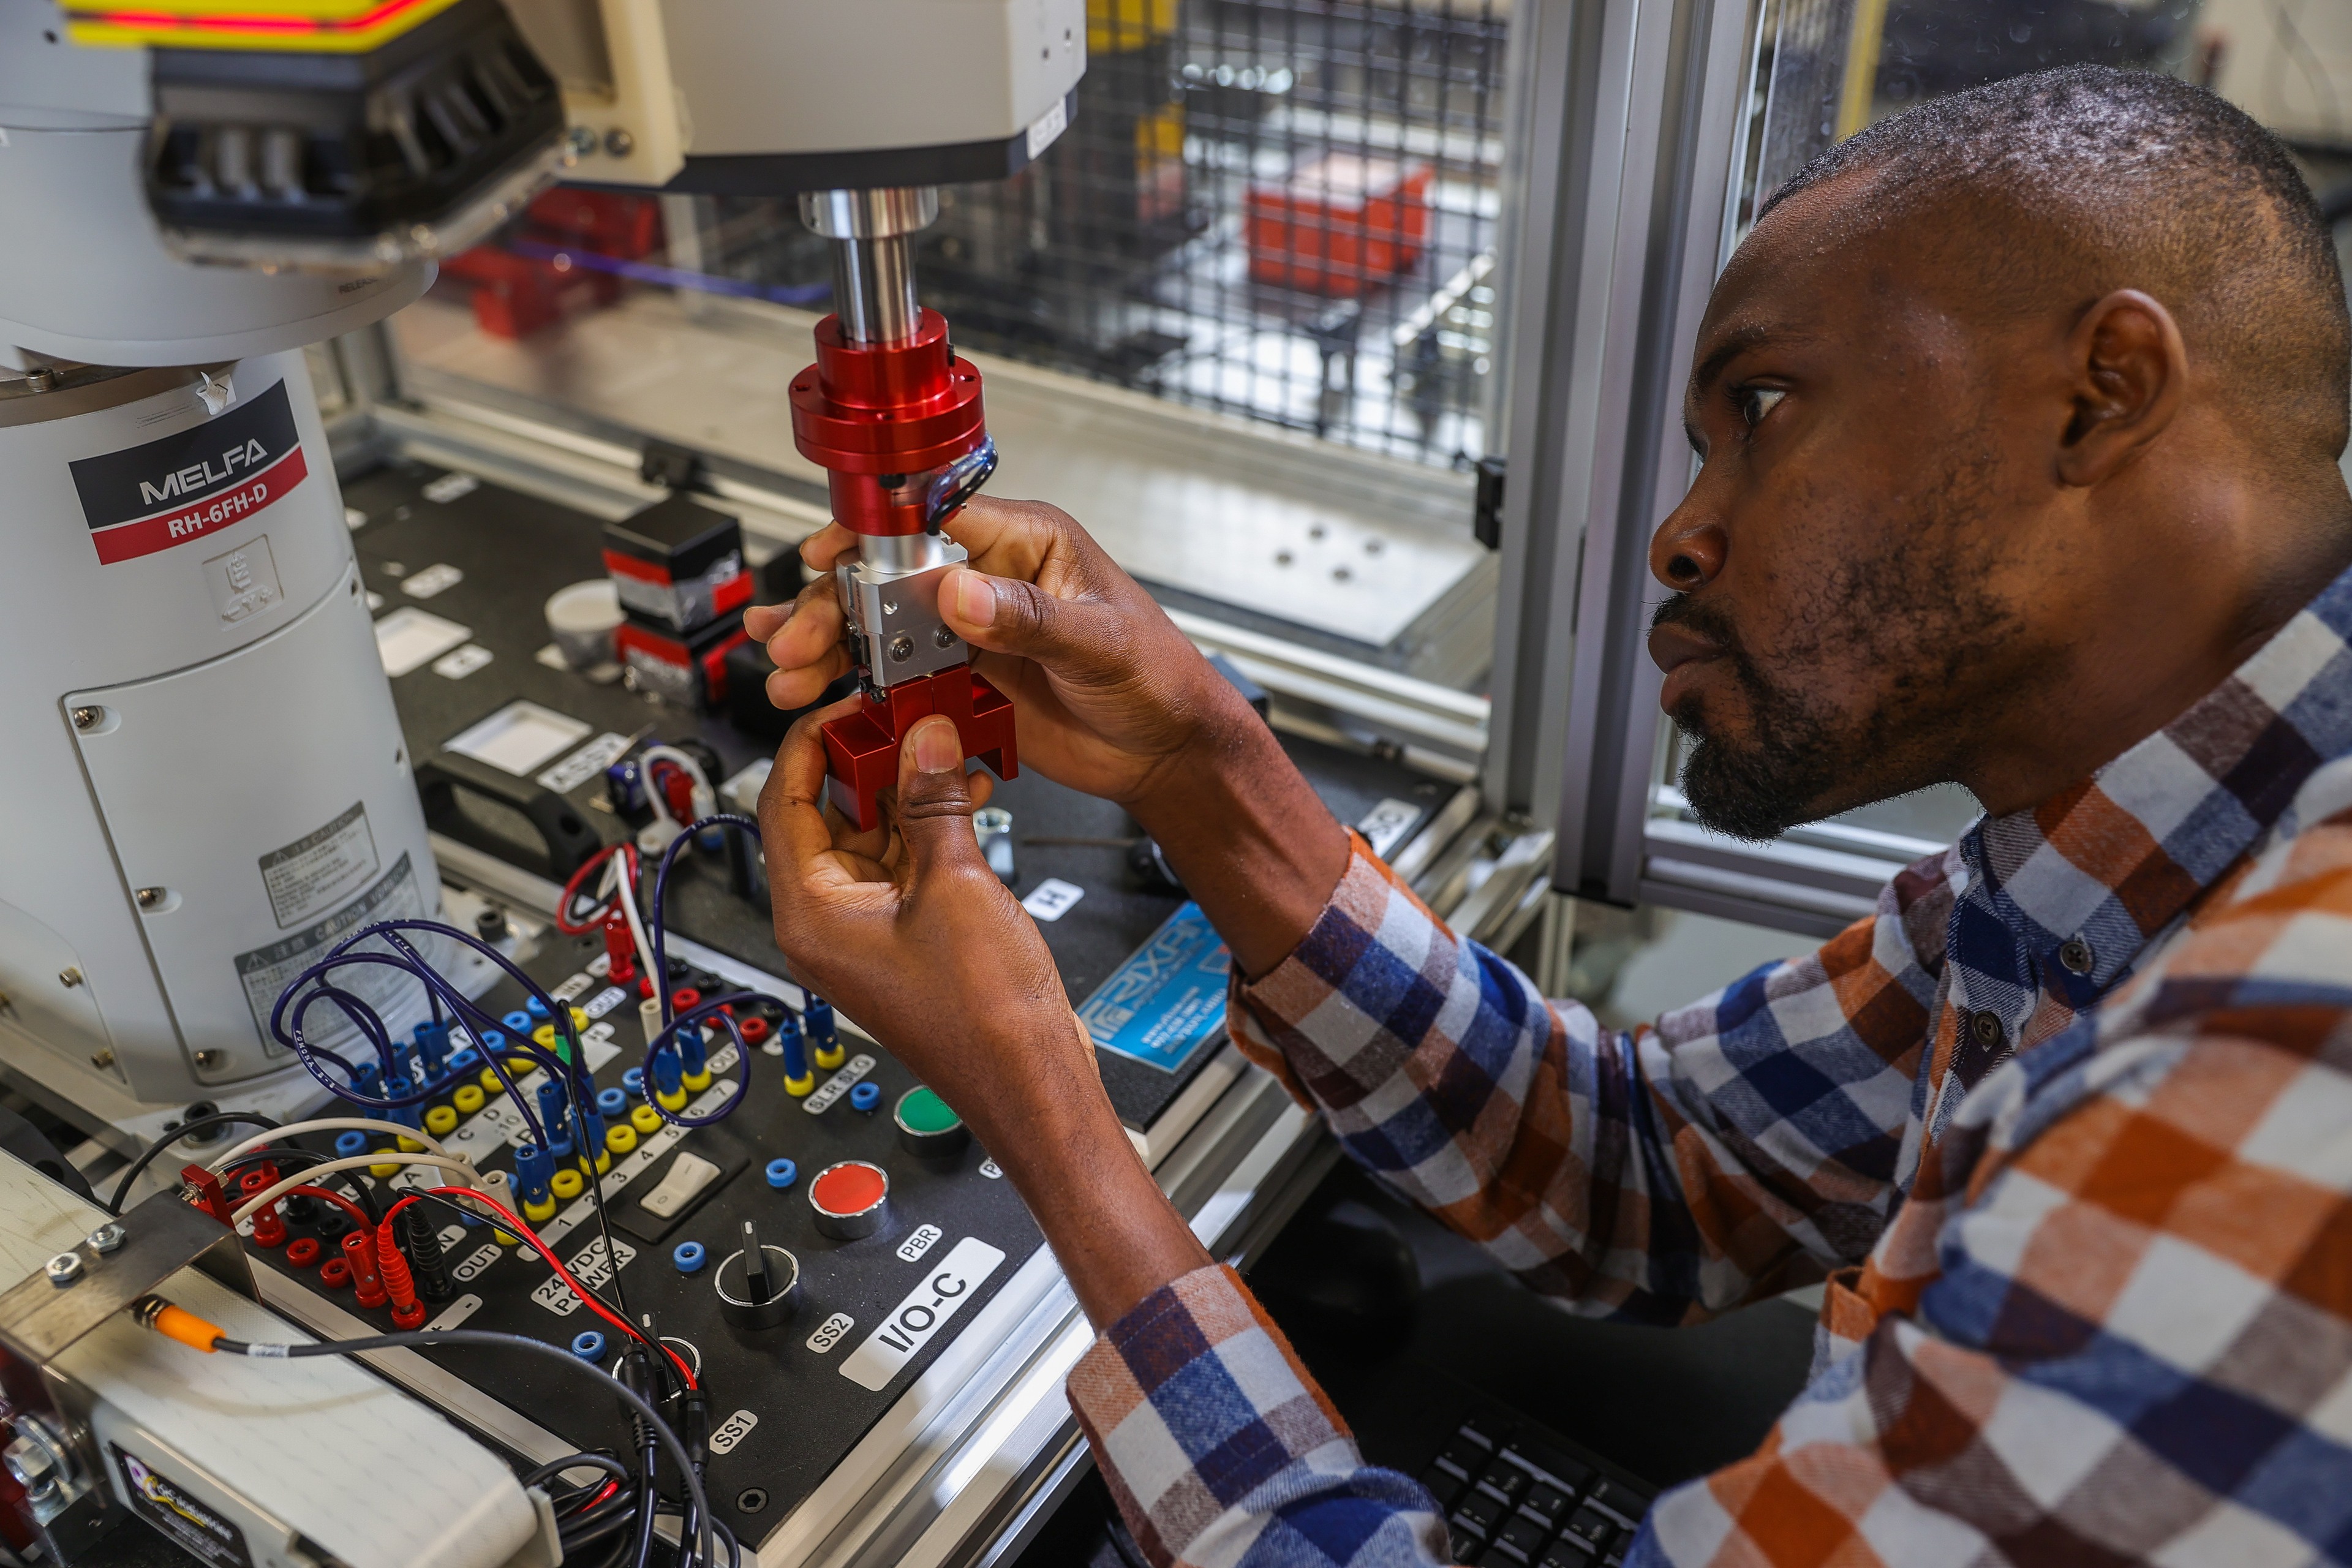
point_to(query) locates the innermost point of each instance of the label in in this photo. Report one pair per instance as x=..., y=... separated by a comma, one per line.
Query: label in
x=319, y=868
x=182, y=486
x=1168, y=999
x=266, y=970
x=195, y=1527
x=918, y=1320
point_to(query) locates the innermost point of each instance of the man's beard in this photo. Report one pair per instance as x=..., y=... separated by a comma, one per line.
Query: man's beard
x=1797, y=753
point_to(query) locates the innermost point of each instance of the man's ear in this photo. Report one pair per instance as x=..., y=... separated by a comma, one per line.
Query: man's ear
x=2129, y=372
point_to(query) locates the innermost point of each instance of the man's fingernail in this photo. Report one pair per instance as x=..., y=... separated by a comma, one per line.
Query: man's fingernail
x=938, y=748
x=975, y=598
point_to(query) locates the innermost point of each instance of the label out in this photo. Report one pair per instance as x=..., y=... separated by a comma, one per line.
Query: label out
x=917, y=1320
x=185, y=486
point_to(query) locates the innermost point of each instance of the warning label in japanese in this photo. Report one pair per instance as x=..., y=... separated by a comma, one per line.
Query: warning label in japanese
x=266, y=970
x=317, y=868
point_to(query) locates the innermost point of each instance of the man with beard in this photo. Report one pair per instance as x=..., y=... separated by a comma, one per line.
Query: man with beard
x=2020, y=416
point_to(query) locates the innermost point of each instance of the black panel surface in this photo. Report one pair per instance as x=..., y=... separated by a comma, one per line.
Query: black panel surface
x=807, y=1413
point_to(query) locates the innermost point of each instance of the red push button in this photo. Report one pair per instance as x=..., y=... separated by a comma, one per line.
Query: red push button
x=850, y=1199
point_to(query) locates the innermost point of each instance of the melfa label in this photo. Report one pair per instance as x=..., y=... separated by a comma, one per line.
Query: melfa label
x=211, y=476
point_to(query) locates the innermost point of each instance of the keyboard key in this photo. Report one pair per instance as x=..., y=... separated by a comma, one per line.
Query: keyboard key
x=1502, y=1554
x=1443, y=1484
x=1465, y=1455
x=1480, y=1511
x=1567, y=1552
x=1551, y=1462
x=1618, y=1500
x=1592, y=1527
x=1506, y=1479
x=1527, y=1534
x=1547, y=1503
x=1463, y=1546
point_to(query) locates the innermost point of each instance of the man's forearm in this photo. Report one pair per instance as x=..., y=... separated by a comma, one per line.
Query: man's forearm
x=1248, y=836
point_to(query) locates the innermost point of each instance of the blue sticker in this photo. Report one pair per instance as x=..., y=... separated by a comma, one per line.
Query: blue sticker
x=1168, y=999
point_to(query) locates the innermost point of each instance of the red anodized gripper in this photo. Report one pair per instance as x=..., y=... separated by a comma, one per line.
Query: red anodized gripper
x=869, y=413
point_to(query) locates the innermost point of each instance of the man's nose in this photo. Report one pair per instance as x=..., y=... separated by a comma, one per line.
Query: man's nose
x=1687, y=551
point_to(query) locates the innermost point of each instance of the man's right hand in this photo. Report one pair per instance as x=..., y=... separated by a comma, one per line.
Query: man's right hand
x=1107, y=693
x=1111, y=699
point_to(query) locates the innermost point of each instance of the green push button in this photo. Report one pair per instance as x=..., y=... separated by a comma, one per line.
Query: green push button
x=927, y=1127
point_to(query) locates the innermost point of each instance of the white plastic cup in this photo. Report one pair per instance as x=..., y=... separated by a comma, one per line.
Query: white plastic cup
x=580, y=618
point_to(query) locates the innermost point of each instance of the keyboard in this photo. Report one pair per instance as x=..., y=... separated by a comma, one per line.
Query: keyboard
x=1516, y=1501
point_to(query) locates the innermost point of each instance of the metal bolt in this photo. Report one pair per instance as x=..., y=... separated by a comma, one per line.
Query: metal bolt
x=88, y=718
x=32, y=1464
x=209, y=1059
x=149, y=897
x=41, y=378
x=618, y=142
x=107, y=1238
x=583, y=141
x=63, y=1269
x=101, y=1059
x=943, y=637
x=69, y=977
x=902, y=648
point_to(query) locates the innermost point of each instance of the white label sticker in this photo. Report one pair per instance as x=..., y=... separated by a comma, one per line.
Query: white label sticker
x=601, y=965
x=604, y=1001
x=918, y=1318
x=589, y=1263
x=584, y=763
x=1052, y=899
x=1048, y=126
x=556, y=1296
x=266, y=970
x=319, y=868
x=449, y=486
x=731, y=1431
x=914, y=1245
x=437, y=578
x=831, y=1332
x=457, y=1311
x=1385, y=826
x=486, y=1255
x=992, y=1170
x=839, y=1084
x=463, y=663
x=572, y=987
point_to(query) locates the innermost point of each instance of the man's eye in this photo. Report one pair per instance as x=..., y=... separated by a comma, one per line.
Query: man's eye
x=1755, y=401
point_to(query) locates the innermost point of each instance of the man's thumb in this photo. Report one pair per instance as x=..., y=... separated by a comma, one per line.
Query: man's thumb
x=934, y=802
x=1006, y=614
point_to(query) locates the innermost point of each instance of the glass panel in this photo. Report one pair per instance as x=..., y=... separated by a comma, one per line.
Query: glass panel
x=1826, y=69
x=1268, y=220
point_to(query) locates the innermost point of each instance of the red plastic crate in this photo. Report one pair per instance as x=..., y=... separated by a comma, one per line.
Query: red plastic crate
x=1338, y=225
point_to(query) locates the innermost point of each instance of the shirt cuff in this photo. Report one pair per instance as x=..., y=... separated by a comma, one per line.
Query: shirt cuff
x=1197, y=1407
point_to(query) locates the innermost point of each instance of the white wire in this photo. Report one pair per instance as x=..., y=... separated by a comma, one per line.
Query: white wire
x=628, y=901
x=269, y=1196
x=333, y=1125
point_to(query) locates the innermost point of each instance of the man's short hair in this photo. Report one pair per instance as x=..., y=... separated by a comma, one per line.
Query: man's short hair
x=2091, y=179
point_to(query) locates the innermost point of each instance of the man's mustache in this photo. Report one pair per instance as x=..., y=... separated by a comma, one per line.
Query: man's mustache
x=1707, y=620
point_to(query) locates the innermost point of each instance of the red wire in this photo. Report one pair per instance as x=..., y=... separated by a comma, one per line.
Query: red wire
x=530, y=1235
x=572, y=891
x=359, y=1217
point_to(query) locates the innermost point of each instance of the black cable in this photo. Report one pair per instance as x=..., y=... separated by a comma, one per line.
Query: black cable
x=601, y=1461
x=201, y=1124
x=418, y=1339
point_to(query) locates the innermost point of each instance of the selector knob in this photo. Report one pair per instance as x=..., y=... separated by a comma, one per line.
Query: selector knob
x=927, y=1128
x=851, y=1199
x=759, y=1285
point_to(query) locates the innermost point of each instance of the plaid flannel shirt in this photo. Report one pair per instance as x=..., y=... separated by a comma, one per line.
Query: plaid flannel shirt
x=2066, y=1125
